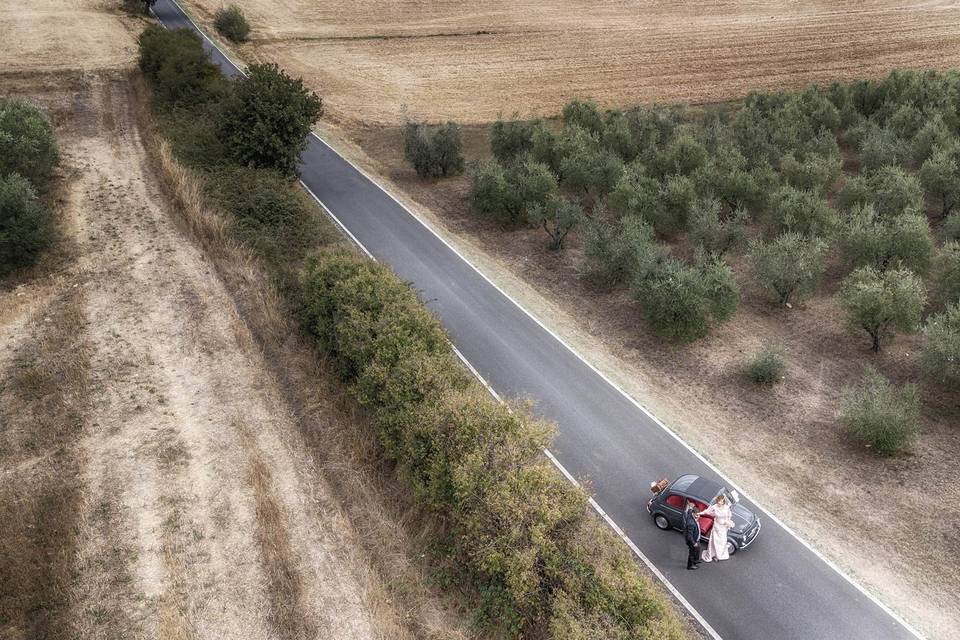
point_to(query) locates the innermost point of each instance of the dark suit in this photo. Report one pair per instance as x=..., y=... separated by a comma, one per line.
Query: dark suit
x=691, y=533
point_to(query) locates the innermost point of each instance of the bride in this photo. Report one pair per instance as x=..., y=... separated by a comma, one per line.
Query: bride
x=722, y=522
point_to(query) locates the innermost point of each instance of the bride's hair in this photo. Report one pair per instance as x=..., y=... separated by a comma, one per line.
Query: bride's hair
x=721, y=499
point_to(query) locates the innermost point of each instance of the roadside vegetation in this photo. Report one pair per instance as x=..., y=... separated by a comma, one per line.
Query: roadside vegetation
x=515, y=536
x=231, y=23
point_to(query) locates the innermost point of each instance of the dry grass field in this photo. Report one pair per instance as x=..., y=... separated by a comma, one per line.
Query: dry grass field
x=444, y=59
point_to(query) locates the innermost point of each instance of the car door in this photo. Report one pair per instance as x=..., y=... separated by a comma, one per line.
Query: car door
x=673, y=509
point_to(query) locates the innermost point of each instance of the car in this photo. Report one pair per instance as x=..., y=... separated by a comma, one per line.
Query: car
x=666, y=509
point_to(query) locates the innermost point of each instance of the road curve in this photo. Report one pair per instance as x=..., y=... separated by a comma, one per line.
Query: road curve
x=778, y=589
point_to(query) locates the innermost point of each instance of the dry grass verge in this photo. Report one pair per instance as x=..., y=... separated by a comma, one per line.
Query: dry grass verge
x=43, y=410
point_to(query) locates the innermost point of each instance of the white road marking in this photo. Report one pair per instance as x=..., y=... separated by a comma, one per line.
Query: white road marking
x=631, y=399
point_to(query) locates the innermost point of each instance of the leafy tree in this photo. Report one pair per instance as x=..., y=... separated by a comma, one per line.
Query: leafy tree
x=940, y=176
x=583, y=113
x=894, y=191
x=906, y=121
x=434, y=153
x=506, y=195
x=728, y=178
x=814, y=173
x=899, y=241
x=27, y=144
x=510, y=139
x=544, y=146
x=931, y=135
x=621, y=250
x=266, y=119
x=714, y=233
x=882, y=302
x=557, y=217
x=675, y=200
x=880, y=415
x=26, y=228
x=855, y=193
x=681, y=302
x=941, y=349
x=682, y=156
x=231, y=23
x=881, y=147
x=789, y=266
x=618, y=136
x=951, y=226
x=635, y=193
x=805, y=212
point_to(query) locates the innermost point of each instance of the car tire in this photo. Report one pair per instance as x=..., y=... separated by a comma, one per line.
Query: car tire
x=661, y=521
x=731, y=547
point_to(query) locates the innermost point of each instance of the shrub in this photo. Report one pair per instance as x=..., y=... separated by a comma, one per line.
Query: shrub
x=714, y=233
x=882, y=302
x=26, y=228
x=804, y=212
x=510, y=139
x=178, y=68
x=265, y=120
x=231, y=23
x=766, y=366
x=557, y=217
x=434, y=153
x=138, y=6
x=880, y=415
x=870, y=240
x=941, y=349
x=27, y=144
x=623, y=250
x=789, y=267
x=682, y=302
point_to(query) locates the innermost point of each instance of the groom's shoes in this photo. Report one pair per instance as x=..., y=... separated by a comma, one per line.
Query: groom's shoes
x=692, y=568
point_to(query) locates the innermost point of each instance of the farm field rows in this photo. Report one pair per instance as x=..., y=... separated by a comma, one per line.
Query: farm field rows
x=374, y=62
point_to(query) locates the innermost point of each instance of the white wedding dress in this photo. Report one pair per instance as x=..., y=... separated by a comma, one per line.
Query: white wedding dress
x=722, y=522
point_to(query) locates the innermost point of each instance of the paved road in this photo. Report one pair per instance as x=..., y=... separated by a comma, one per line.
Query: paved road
x=775, y=590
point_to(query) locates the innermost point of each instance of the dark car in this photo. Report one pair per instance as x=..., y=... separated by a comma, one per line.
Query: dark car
x=666, y=508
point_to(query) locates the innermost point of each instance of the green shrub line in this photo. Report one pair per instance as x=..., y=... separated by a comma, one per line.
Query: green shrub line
x=519, y=530
x=523, y=538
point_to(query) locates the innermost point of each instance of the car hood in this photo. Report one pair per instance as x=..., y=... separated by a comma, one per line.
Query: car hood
x=743, y=518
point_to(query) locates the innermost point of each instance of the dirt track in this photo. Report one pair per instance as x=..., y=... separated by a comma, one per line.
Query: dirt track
x=444, y=60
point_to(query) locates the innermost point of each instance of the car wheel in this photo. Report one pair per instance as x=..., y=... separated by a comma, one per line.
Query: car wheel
x=731, y=547
x=661, y=521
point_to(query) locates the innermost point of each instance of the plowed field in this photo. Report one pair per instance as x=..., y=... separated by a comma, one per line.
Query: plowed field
x=470, y=61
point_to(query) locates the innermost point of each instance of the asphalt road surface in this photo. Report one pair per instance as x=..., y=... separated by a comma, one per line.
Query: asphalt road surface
x=777, y=589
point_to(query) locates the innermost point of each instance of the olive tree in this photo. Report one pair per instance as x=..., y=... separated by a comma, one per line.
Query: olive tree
x=880, y=415
x=882, y=302
x=868, y=239
x=941, y=349
x=948, y=272
x=621, y=250
x=510, y=139
x=715, y=233
x=266, y=119
x=814, y=173
x=931, y=135
x=881, y=147
x=505, y=194
x=26, y=228
x=583, y=113
x=635, y=193
x=940, y=177
x=894, y=191
x=805, y=212
x=434, y=151
x=789, y=266
x=557, y=217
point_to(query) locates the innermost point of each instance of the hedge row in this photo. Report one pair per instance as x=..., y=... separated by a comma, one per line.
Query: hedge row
x=542, y=566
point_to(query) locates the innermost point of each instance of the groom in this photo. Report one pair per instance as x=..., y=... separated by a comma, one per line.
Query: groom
x=691, y=533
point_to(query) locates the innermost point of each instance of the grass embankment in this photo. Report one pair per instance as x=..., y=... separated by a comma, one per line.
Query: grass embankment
x=515, y=537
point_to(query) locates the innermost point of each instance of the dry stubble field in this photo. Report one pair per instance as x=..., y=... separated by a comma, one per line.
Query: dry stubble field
x=445, y=59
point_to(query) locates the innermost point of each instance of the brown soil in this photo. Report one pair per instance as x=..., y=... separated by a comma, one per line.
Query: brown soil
x=441, y=59
x=782, y=444
x=157, y=481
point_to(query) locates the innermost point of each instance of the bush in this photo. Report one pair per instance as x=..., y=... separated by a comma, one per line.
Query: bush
x=767, y=365
x=266, y=119
x=682, y=302
x=870, y=240
x=138, y=6
x=27, y=144
x=178, y=68
x=804, y=212
x=510, y=139
x=557, y=217
x=880, y=415
x=941, y=349
x=434, y=153
x=26, y=228
x=789, y=267
x=231, y=23
x=882, y=302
